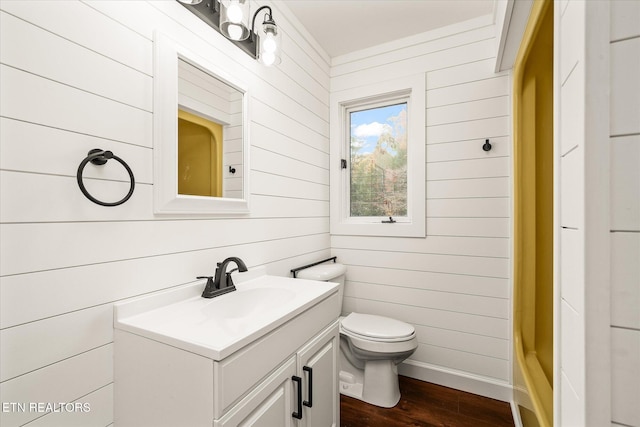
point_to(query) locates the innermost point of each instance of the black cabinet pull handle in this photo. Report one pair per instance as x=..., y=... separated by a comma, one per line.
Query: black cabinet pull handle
x=298, y=414
x=309, y=403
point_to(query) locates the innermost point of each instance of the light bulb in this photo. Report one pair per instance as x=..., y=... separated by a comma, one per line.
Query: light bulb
x=234, y=12
x=268, y=58
x=235, y=31
x=269, y=44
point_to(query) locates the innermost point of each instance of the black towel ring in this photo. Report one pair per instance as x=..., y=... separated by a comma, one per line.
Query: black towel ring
x=99, y=157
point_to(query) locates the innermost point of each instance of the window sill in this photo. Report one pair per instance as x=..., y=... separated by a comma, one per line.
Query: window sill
x=396, y=229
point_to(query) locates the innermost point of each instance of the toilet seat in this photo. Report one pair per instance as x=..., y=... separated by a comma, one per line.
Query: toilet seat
x=372, y=337
x=376, y=328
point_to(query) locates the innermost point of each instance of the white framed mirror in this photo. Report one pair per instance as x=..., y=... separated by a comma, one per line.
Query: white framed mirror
x=201, y=142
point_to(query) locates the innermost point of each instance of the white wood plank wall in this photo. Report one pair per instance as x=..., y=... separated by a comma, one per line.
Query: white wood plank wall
x=624, y=140
x=599, y=102
x=570, y=41
x=455, y=285
x=77, y=75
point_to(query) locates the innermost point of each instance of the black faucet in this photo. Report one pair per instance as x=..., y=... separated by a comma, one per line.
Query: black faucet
x=215, y=287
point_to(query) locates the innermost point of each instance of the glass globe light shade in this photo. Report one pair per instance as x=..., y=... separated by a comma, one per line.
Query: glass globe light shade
x=235, y=31
x=234, y=12
x=270, y=43
x=234, y=15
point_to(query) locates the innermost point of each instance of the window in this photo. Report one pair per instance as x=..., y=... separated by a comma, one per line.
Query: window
x=378, y=162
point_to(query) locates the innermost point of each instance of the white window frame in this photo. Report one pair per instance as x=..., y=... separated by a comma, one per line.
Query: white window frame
x=412, y=90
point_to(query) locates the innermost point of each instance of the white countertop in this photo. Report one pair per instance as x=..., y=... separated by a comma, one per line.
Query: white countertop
x=217, y=327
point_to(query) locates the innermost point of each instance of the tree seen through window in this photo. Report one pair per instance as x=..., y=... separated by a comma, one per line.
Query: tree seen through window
x=378, y=185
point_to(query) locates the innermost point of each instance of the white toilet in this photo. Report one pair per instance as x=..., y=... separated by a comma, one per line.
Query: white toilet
x=371, y=347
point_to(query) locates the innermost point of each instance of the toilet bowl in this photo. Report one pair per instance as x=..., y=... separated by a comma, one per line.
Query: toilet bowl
x=371, y=347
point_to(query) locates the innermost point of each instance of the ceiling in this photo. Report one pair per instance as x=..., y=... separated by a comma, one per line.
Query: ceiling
x=344, y=26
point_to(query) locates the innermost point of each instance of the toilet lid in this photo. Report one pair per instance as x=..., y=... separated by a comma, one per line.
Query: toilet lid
x=379, y=327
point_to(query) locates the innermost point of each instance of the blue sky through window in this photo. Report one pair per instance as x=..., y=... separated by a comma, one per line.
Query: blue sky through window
x=368, y=125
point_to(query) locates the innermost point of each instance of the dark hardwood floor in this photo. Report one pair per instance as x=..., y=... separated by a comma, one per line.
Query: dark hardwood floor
x=424, y=404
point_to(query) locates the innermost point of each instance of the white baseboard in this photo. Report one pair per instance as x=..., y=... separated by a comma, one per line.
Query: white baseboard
x=470, y=383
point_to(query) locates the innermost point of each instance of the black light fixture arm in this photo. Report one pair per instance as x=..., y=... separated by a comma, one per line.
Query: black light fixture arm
x=252, y=33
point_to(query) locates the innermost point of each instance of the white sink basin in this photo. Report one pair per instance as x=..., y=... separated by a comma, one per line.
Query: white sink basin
x=245, y=302
x=217, y=327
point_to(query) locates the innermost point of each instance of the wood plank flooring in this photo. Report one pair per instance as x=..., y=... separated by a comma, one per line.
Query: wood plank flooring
x=425, y=405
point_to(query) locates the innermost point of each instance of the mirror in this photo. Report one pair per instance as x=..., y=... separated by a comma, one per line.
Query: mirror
x=209, y=135
x=200, y=135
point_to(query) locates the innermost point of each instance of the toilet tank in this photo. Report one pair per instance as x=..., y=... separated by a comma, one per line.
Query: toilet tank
x=326, y=273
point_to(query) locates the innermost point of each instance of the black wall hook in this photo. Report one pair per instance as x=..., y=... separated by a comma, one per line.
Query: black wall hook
x=487, y=145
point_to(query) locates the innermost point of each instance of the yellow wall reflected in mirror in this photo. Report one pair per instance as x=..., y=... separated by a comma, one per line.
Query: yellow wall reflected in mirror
x=199, y=156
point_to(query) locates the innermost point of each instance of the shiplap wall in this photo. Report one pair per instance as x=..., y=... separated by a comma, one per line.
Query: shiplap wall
x=76, y=76
x=599, y=202
x=625, y=211
x=569, y=35
x=453, y=286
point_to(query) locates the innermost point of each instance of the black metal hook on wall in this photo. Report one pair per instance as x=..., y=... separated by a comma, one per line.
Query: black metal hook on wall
x=487, y=145
x=100, y=157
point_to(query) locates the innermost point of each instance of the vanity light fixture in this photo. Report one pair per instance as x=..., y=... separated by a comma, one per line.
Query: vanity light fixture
x=230, y=18
x=233, y=17
x=267, y=39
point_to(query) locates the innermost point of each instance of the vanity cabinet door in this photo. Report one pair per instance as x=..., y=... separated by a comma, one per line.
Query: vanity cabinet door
x=270, y=404
x=318, y=368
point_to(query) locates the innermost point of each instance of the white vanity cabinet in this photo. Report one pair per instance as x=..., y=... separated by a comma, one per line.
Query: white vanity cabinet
x=167, y=373
x=270, y=404
x=318, y=368
x=312, y=373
